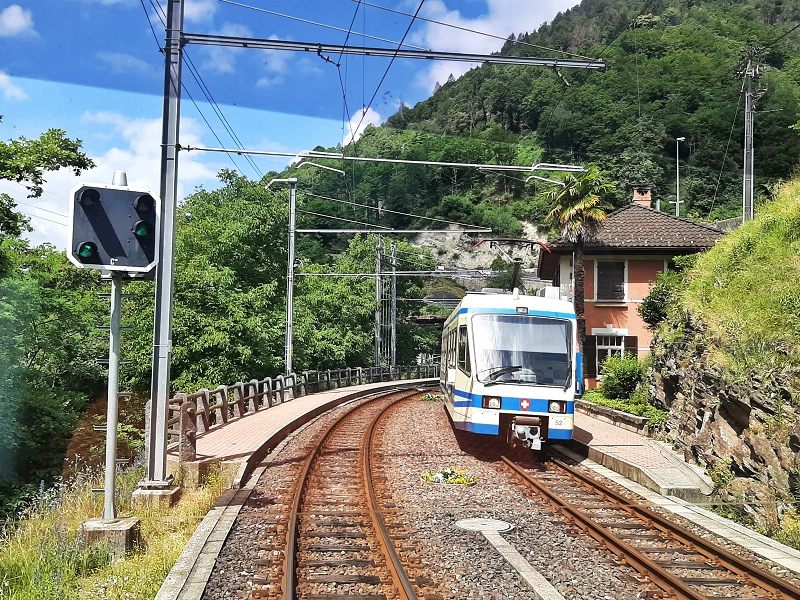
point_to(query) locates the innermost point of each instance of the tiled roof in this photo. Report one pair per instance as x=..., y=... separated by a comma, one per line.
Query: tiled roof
x=635, y=226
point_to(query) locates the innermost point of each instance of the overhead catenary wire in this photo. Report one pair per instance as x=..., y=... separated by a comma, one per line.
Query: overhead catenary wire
x=316, y=214
x=317, y=23
x=725, y=155
x=468, y=29
x=386, y=72
x=396, y=212
x=204, y=89
x=595, y=59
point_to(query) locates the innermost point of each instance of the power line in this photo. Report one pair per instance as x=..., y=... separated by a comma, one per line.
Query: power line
x=324, y=216
x=780, y=37
x=598, y=57
x=196, y=76
x=40, y=208
x=396, y=212
x=316, y=23
x=468, y=30
x=220, y=115
x=386, y=72
x=27, y=214
x=725, y=156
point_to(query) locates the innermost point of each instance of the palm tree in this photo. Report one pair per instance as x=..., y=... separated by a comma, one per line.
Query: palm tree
x=577, y=210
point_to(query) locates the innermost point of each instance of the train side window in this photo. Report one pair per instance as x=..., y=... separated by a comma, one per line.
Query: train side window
x=463, y=350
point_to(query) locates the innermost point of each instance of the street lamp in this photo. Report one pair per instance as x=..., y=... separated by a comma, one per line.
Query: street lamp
x=677, y=202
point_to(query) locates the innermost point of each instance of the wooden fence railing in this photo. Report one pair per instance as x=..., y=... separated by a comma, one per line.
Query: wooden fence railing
x=190, y=415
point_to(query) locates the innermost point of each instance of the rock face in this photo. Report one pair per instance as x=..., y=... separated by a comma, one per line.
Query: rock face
x=744, y=431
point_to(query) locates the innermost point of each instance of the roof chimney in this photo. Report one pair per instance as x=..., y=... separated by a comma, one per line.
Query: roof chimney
x=643, y=195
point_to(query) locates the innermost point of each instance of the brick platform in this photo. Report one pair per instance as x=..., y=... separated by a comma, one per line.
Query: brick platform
x=241, y=444
x=646, y=461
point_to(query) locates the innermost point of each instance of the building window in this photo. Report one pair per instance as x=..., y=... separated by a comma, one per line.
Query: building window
x=608, y=345
x=611, y=280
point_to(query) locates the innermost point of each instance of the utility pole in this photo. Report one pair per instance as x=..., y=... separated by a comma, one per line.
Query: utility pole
x=393, y=316
x=378, y=301
x=677, y=202
x=752, y=72
x=288, y=348
x=156, y=475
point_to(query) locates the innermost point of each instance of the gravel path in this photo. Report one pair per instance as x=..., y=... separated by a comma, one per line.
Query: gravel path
x=464, y=565
x=417, y=437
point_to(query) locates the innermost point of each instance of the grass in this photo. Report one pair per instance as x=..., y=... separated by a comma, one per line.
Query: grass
x=636, y=405
x=42, y=556
x=746, y=290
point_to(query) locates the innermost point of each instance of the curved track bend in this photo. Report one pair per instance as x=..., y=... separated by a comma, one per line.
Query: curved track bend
x=681, y=563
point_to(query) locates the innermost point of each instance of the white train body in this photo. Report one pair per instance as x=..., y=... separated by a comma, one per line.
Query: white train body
x=510, y=367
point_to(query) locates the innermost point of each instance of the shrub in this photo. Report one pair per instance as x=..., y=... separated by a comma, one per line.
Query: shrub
x=621, y=376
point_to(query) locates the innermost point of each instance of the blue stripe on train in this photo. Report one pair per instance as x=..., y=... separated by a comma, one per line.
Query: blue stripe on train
x=510, y=311
x=486, y=429
x=509, y=402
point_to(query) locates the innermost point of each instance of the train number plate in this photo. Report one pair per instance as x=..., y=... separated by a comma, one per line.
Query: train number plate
x=558, y=421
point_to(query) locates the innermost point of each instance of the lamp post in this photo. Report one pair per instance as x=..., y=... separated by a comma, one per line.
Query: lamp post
x=677, y=202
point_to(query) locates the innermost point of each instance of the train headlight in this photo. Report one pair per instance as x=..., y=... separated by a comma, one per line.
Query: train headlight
x=492, y=402
x=557, y=407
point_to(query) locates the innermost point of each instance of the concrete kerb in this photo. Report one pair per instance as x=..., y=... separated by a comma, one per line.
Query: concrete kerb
x=692, y=491
x=189, y=575
x=249, y=465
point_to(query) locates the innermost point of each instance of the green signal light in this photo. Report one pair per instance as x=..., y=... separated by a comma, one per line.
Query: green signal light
x=142, y=229
x=87, y=251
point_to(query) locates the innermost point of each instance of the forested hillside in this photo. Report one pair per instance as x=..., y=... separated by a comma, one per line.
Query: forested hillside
x=672, y=73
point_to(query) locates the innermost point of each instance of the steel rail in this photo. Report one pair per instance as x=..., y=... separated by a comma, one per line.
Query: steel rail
x=636, y=559
x=639, y=560
x=764, y=579
x=399, y=576
x=292, y=532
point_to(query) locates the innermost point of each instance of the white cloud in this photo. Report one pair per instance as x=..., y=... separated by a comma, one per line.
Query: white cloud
x=223, y=59
x=502, y=18
x=9, y=90
x=15, y=21
x=357, y=124
x=268, y=82
x=198, y=11
x=121, y=63
x=134, y=147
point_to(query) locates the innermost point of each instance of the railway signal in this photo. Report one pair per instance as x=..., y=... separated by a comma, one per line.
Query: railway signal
x=113, y=228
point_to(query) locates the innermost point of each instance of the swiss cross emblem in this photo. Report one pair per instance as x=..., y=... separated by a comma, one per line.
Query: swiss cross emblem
x=524, y=404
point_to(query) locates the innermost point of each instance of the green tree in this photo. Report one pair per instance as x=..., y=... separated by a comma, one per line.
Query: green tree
x=578, y=209
x=25, y=161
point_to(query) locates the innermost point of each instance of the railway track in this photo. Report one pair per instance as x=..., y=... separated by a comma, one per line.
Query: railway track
x=338, y=541
x=679, y=562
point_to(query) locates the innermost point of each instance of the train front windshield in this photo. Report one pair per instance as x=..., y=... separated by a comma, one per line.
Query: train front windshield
x=522, y=349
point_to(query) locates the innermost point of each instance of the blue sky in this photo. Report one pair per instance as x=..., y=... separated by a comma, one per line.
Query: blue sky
x=93, y=68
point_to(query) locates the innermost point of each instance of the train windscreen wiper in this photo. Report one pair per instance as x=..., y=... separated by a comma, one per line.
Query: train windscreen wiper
x=497, y=371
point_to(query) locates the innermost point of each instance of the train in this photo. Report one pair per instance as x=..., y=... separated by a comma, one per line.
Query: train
x=510, y=367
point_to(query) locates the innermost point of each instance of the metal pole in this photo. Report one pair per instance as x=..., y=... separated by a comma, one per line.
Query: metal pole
x=747, y=184
x=378, y=301
x=156, y=475
x=678, y=176
x=290, y=277
x=112, y=415
x=393, y=316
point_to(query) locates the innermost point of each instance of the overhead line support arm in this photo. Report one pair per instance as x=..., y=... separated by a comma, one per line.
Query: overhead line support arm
x=495, y=59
